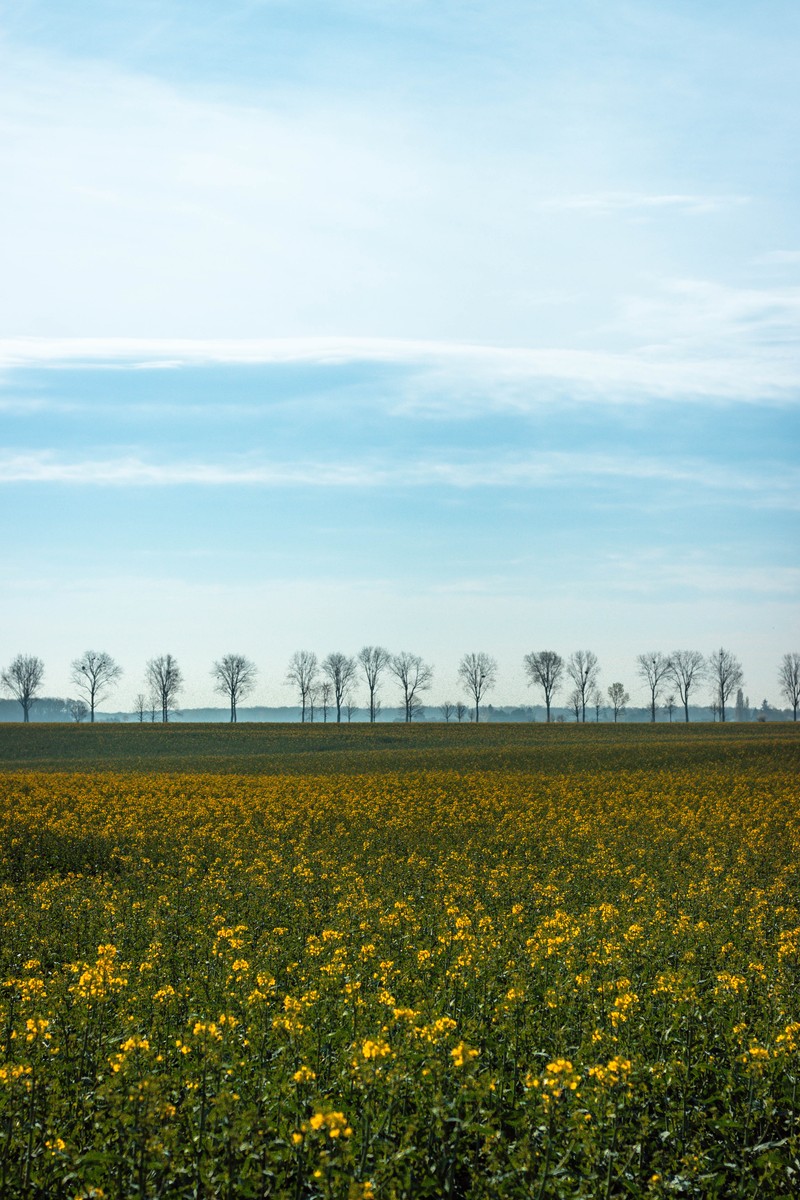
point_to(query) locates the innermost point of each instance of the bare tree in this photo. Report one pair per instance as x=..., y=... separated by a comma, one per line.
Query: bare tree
x=789, y=679
x=325, y=695
x=374, y=660
x=93, y=674
x=302, y=672
x=23, y=678
x=78, y=710
x=654, y=668
x=461, y=711
x=340, y=672
x=670, y=705
x=235, y=677
x=140, y=706
x=583, y=670
x=597, y=703
x=447, y=710
x=726, y=674
x=166, y=680
x=577, y=702
x=544, y=669
x=414, y=676
x=686, y=667
x=478, y=672
x=619, y=698
x=350, y=707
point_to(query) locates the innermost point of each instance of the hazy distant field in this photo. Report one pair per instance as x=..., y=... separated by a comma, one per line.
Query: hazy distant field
x=329, y=748
x=478, y=963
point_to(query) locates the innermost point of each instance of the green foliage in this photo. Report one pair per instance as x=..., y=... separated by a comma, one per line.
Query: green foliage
x=400, y=984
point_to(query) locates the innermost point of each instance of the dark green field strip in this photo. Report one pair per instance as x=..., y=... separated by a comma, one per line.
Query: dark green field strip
x=322, y=749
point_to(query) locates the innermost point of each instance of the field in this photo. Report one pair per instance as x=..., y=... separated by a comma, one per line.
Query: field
x=347, y=962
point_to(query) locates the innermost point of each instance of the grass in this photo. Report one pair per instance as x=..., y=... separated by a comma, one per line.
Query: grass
x=323, y=749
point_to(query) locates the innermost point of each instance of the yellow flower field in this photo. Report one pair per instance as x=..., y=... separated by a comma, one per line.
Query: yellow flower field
x=401, y=985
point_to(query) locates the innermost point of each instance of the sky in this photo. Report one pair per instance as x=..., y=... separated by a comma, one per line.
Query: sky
x=445, y=326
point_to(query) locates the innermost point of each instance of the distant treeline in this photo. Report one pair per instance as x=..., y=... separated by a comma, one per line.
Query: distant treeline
x=333, y=688
x=62, y=709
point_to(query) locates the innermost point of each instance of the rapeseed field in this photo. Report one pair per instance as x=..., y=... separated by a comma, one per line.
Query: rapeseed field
x=479, y=984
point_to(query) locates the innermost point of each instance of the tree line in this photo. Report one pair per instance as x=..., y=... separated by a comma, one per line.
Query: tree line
x=327, y=685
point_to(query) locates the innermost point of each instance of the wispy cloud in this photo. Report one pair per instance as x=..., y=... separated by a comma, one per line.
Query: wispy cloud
x=545, y=470
x=701, y=574
x=704, y=342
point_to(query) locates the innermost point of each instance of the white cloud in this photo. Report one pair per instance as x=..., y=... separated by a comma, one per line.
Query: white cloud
x=130, y=471
x=132, y=204
x=759, y=488
x=706, y=342
x=660, y=573
x=707, y=317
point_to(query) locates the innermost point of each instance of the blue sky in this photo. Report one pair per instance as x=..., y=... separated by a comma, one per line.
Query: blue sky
x=449, y=326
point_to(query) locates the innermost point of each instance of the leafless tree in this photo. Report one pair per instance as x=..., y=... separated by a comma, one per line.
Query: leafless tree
x=654, y=668
x=235, y=677
x=478, y=673
x=166, y=680
x=325, y=696
x=726, y=673
x=687, y=667
x=340, y=671
x=577, y=702
x=447, y=710
x=23, y=678
x=583, y=670
x=461, y=711
x=302, y=672
x=373, y=660
x=78, y=710
x=597, y=703
x=670, y=705
x=350, y=707
x=414, y=676
x=619, y=698
x=544, y=669
x=140, y=706
x=789, y=679
x=93, y=674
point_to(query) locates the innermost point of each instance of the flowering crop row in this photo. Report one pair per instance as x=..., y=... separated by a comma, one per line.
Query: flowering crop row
x=434, y=984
